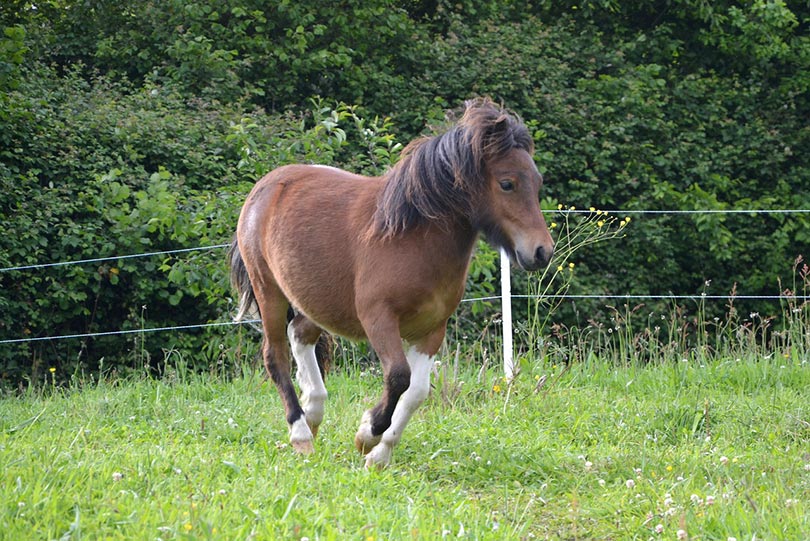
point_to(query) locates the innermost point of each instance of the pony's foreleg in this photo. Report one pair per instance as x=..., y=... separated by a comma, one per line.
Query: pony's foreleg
x=416, y=393
x=383, y=334
x=303, y=335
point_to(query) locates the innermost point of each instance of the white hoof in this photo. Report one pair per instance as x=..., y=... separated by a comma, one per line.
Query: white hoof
x=364, y=440
x=379, y=457
x=301, y=437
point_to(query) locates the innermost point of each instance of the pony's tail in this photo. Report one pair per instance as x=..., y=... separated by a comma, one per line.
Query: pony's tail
x=241, y=283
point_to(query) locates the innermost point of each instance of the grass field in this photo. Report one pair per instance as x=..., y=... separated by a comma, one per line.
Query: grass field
x=675, y=450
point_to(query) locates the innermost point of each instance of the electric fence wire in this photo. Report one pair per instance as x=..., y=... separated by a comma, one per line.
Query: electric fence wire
x=560, y=211
x=477, y=299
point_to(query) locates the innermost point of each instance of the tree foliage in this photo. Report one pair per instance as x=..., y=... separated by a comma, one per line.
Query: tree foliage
x=138, y=126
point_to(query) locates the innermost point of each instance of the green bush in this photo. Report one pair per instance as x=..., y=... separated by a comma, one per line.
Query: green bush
x=95, y=169
x=138, y=126
x=630, y=120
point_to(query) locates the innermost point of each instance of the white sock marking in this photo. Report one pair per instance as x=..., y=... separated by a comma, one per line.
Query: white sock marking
x=411, y=399
x=313, y=391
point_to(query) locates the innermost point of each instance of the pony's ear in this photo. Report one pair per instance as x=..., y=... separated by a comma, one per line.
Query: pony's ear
x=507, y=131
x=499, y=134
x=501, y=125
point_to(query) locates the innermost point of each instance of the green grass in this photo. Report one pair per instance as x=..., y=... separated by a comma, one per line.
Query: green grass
x=596, y=452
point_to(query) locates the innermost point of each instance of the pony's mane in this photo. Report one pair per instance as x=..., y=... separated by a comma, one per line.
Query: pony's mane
x=438, y=178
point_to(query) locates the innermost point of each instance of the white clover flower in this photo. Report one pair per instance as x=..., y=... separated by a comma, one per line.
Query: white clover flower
x=682, y=534
x=630, y=483
x=659, y=528
x=117, y=476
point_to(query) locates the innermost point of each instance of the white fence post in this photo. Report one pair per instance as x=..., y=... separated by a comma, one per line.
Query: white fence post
x=506, y=308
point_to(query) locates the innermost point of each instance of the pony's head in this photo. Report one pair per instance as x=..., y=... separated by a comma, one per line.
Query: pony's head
x=480, y=172
x=507, y=208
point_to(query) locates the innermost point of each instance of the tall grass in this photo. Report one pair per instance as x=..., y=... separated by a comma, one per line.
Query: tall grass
x=642, y=333
x=659, y=425
x=586, y=450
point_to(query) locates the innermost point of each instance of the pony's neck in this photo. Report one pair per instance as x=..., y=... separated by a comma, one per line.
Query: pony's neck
x=453, y=239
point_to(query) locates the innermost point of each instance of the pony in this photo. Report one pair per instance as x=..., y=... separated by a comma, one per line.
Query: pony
x=382, y=259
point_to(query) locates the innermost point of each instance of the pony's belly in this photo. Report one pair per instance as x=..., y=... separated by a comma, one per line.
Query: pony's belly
x=350, y=330
x=325, y=302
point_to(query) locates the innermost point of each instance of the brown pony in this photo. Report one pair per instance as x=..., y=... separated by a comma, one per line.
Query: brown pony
x=383, y=259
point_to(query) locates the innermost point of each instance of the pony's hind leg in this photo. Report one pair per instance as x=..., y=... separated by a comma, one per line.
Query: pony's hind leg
x=304, y=337
x=273, y=308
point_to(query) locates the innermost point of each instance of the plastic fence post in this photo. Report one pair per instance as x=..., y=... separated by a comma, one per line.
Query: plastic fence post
x=506, y=308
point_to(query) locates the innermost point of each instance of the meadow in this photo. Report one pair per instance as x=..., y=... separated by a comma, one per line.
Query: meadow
x=684, y=448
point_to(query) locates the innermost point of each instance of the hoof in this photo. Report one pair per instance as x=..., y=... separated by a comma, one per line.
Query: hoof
x=303, y=447
x=314, y=430
x=365, y=444
x=379, y=457
x=301, y=437
x=364, y=440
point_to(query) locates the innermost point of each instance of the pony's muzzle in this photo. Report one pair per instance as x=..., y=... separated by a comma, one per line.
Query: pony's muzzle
x=538, y=260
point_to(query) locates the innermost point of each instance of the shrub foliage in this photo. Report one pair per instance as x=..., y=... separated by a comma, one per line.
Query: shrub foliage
x=138, y=126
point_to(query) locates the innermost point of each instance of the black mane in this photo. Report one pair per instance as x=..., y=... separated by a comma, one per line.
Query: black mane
x=439, y=178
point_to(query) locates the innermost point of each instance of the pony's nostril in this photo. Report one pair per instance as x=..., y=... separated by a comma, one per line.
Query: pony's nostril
x=542, y=256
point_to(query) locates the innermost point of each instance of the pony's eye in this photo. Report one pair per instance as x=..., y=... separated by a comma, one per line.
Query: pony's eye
x=507, y=185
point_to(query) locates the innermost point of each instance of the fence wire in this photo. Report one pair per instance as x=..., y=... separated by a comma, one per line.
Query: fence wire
x=112, y=258
x=552, y=211
x=477, y=299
